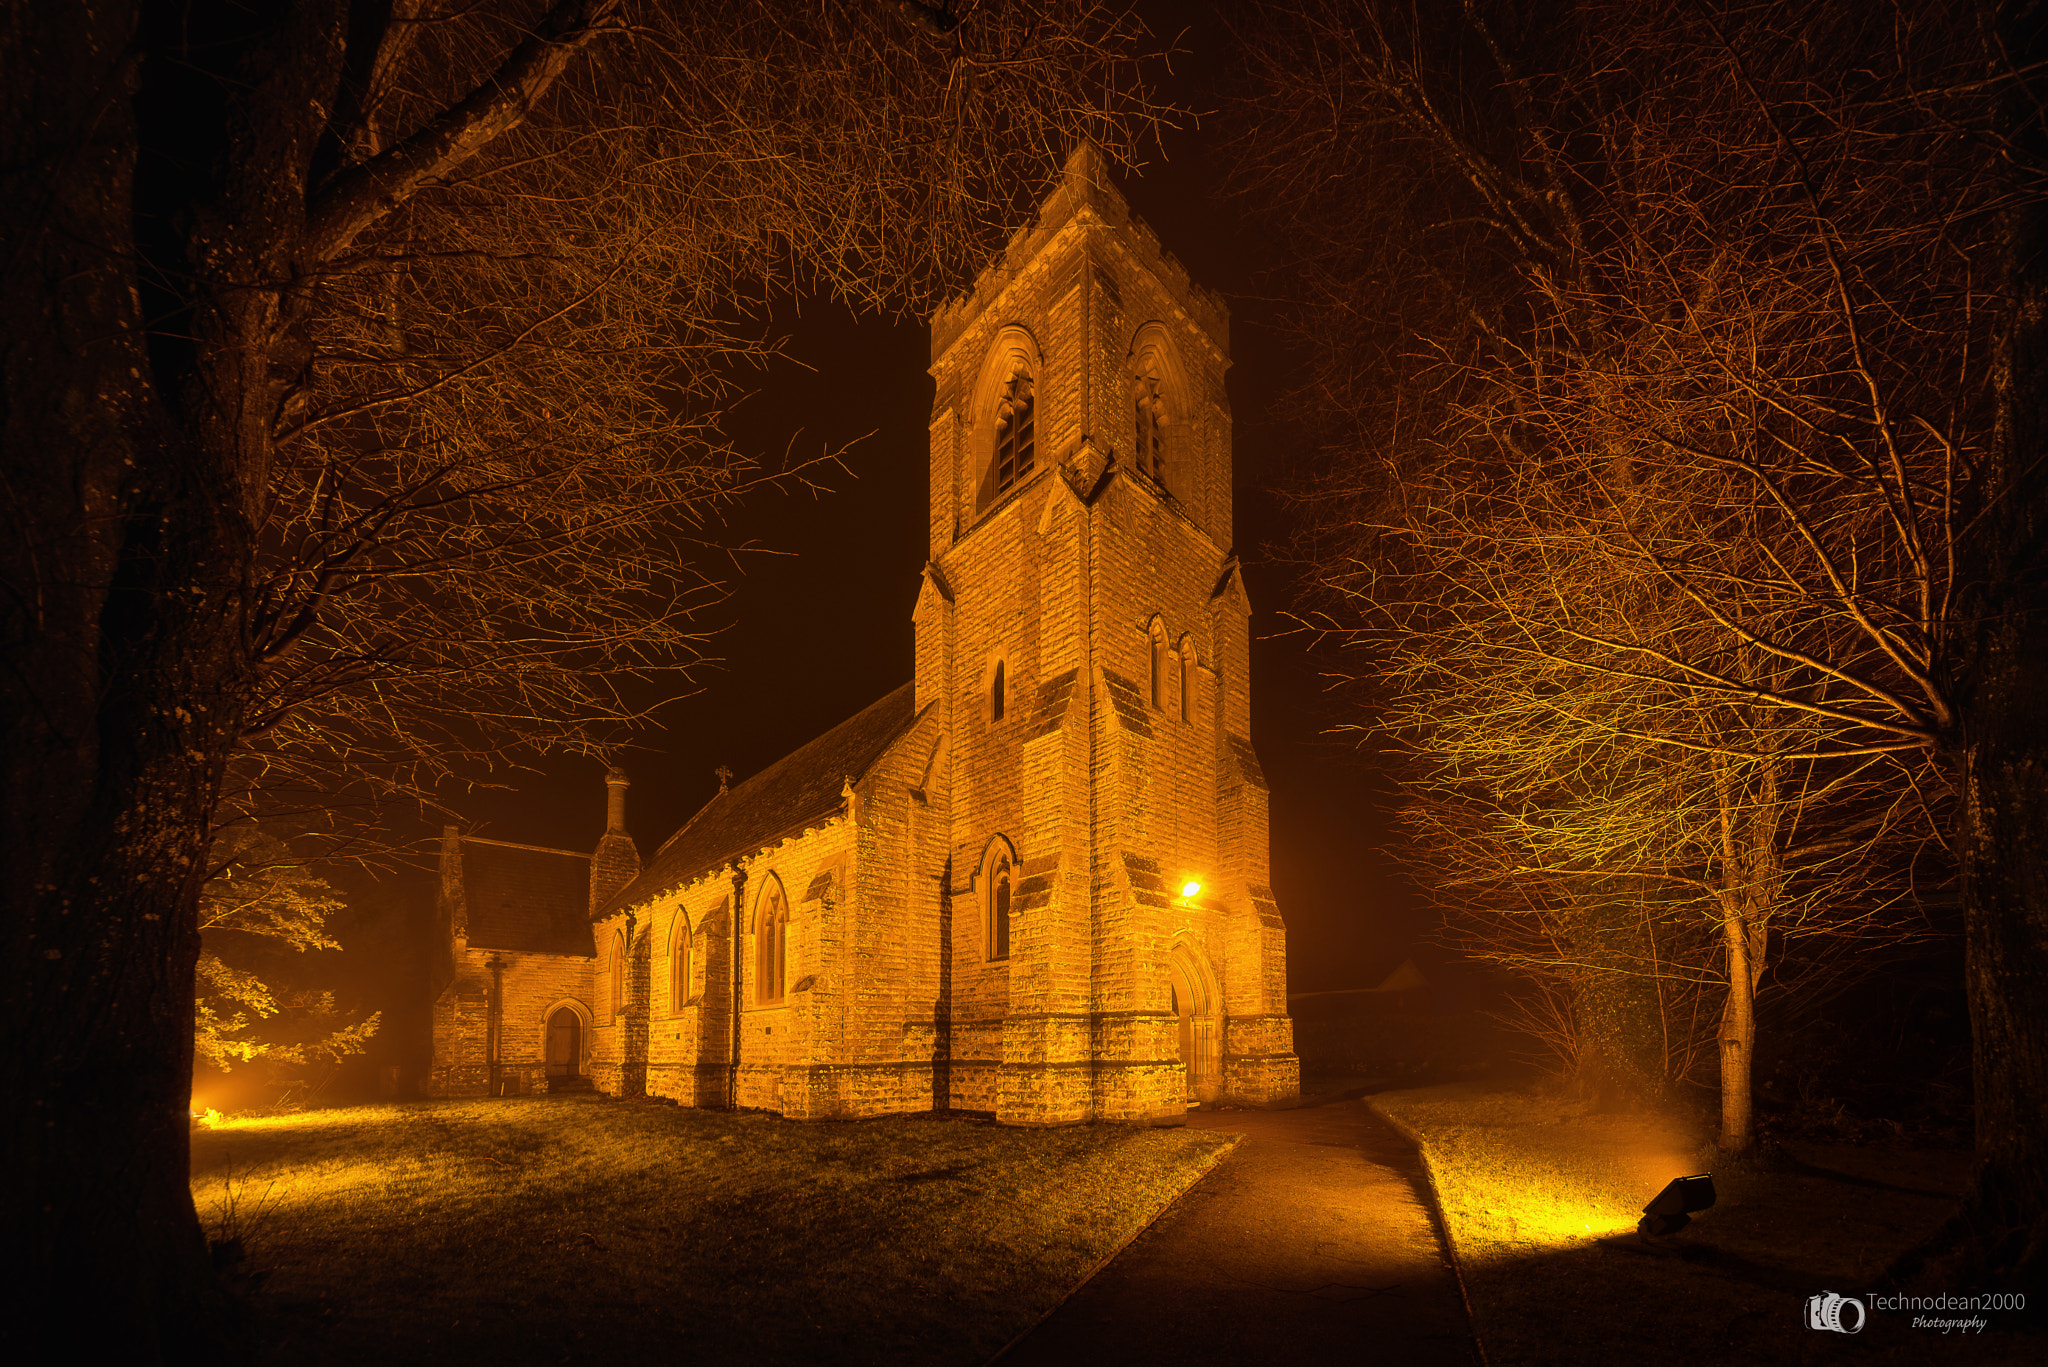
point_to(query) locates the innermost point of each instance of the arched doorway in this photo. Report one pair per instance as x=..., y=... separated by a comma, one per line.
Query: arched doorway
x=565, y=1043
x=1183, y=1007
x=1195, y=999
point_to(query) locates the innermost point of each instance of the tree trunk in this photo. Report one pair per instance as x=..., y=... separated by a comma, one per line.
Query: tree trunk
x=148, y=233
x=2001, y=755
x=1738, y=1033
x=176, y=185
x=1749, y=878
x=2005, y=905
x=117, y=712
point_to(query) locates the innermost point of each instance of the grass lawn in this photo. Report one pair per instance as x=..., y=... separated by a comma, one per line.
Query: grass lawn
x=553, y=1229
x=1541, y=1199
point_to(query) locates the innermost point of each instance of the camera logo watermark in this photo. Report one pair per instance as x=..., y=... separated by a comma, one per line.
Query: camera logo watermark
x=1841, y=1314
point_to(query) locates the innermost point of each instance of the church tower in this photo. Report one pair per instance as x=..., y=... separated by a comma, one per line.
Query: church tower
x=1112, y=947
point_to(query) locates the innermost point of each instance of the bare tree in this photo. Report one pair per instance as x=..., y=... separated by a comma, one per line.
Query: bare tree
x=356, y=390
x=1572, y=840
x=1750, y=277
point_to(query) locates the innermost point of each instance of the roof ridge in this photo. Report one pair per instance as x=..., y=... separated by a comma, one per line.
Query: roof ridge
x=797, y=791
x=515, y=845
x=709, y=803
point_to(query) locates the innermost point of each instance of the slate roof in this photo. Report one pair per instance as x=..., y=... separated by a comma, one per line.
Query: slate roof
x=796, y=791
x=525, y=897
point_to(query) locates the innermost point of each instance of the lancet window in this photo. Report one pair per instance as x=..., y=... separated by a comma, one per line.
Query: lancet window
x=996, y=887
x=1160, y=662
x=999, y=894
x=618, y=973
x=1184, y=672
x=771, y=942
x=679, y=962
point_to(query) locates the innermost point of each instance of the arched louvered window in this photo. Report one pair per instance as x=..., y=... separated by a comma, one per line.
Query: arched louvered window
x=1016, y=433
x=1158, y=405
x=1004, y=416
x=1149, y=437
x=771, y=942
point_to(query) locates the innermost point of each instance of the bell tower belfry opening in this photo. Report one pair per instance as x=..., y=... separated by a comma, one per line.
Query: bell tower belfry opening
x=1083, y=634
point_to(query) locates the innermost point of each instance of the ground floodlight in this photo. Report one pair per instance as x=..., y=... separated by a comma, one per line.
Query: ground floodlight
x=1673, y=1209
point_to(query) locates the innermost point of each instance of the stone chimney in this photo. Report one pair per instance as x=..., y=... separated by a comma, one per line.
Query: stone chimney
x=616, y=861
x=451, y=911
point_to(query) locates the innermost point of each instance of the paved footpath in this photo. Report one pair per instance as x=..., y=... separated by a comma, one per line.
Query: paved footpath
x=1309, y=1243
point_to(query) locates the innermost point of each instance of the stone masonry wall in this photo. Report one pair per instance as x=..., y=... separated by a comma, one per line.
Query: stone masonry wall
x=854, y=1031
x=534, y=985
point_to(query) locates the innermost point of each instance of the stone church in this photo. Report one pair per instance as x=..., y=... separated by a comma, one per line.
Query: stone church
x=1032, y=881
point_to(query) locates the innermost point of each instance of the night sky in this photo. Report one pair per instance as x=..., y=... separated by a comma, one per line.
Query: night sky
x=818, y=622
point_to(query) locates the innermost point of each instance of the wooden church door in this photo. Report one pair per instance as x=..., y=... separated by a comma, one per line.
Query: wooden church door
x=565, y=1043
x=1182, y=1009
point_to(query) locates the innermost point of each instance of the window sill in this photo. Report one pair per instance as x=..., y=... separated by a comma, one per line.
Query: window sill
x=981, y=517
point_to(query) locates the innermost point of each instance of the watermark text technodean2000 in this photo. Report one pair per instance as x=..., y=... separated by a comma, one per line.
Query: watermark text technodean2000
x=1947, y=1314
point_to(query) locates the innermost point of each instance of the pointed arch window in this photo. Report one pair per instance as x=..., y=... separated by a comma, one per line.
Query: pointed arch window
x=1149, y=438
x=1004, y=417
x=1184, y=673
x=1000, y=892
x=996, y=886
x=771, y=942
x=996, y=699
x=1016, y=433
x=1158, y=403
x=1158, y=691
x=618, y=973
x=679, y=963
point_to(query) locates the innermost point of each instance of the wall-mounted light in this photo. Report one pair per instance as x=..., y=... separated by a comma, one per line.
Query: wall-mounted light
x=1190, y=889
x=1674, y=1207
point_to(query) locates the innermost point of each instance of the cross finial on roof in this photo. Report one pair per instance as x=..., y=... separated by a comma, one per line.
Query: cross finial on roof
x=724, y=776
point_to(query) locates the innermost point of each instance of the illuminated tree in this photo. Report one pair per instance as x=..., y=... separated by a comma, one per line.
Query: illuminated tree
x=1641, y=888
x=358, y=374
x=261, y=897
x=1768, y=276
